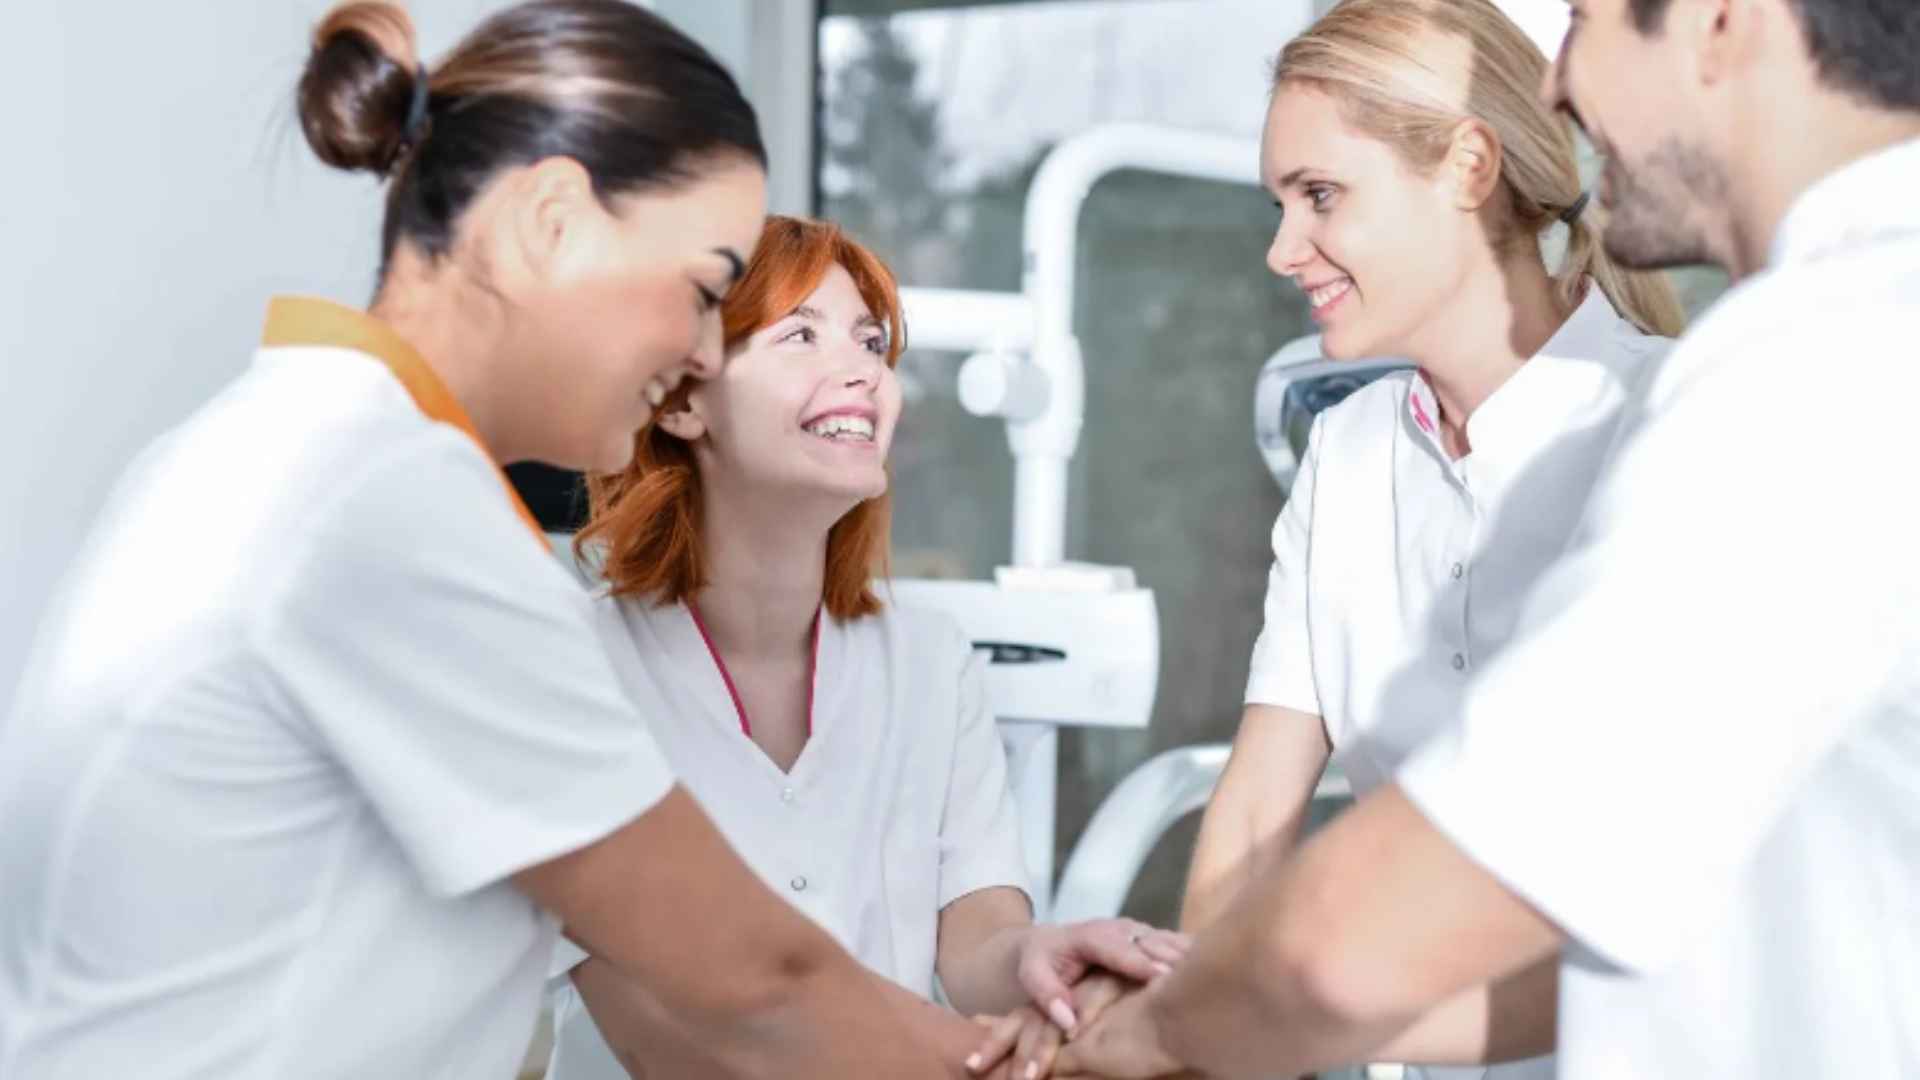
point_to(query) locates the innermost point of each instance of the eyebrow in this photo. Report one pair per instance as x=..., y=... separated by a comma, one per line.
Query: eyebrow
x=814, y=314
x=1293, y=178
x=736, y=267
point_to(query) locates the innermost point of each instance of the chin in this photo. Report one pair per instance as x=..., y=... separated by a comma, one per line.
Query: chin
x=1335, y=345
x=1356, y=343
x=855, y=491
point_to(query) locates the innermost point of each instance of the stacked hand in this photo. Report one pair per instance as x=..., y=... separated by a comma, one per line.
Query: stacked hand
x=1072, y=974
x=1121, y=1044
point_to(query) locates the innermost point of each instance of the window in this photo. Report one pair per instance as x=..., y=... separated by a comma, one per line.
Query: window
x=932, y=124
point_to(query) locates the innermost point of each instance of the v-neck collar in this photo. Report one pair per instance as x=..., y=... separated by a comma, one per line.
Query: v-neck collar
x=717, y=668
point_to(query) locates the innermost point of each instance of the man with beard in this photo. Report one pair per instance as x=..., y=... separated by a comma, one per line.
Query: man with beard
x=1695, y=774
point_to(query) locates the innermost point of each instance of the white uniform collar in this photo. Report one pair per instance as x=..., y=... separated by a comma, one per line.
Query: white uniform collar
x=1877, y=195
x=1515, y=410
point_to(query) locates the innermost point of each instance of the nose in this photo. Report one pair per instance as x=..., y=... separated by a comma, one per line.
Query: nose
x=862, y=369
x=862, y=375
x=709, y=351
x=1290, y=251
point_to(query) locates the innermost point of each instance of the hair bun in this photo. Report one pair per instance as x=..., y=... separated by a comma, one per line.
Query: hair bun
x=356, y=93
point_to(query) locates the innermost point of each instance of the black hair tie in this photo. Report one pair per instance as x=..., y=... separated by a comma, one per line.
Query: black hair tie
x=1572, y=213
x=416, y=126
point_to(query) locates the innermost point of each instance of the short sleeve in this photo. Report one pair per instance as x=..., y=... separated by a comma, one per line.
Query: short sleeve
x=566, y=957
x=1724, y=618
x=1281, y=671
x=448, y=663
x=979, y=829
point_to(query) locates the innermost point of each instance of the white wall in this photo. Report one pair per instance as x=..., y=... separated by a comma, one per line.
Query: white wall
x=768, y=44
x=155, y=191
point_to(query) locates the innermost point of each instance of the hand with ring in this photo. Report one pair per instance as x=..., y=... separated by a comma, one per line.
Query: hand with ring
x=1054, y=958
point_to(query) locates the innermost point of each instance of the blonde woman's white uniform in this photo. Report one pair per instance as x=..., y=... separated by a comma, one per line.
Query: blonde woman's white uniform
x=1398, y=569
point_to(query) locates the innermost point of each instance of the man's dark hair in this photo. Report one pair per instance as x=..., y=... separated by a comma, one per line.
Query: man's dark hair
x=1867, y=48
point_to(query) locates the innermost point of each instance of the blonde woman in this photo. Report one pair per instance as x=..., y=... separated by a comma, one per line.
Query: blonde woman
x=1416, y=176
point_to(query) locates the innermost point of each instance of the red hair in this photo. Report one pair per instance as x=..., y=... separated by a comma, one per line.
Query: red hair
x=647, y=518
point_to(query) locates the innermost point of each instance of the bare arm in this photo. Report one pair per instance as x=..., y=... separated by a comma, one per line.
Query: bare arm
x=1323, y=961
x=1508, y=1020
x=978, y=956
x=651, y=1045
x=643, y=1036
x=993, y=959
x=737, y=972
x=1258, y=809
x=1255, y=818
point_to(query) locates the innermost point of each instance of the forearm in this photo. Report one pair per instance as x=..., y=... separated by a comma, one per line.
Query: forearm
x=664, y=902
x=1329, y=956
x=1503, y=1021
x=982, y=977
x=823, y=1031
x=643, y=1036
x=1258, y=810
x=1238, y=1008
x=1229, y=854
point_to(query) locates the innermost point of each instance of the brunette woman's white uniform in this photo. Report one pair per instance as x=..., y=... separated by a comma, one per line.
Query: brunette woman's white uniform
x=897, y=806
x=312, y=692
x=1398, y=571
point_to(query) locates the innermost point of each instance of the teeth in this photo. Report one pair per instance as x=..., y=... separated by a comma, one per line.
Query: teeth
x=1327, y=294
x=842, y=427
x=656, y=392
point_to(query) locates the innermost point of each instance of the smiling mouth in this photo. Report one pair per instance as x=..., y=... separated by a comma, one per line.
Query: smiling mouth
x=845, y=428
x=1323, y=297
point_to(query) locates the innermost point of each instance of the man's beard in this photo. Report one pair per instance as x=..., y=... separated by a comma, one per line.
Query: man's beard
x=1651, y=224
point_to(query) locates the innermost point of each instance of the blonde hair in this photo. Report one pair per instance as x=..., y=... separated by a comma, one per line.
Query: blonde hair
x=1407, y=72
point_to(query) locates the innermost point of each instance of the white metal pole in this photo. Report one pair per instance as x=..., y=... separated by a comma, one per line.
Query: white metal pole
x=964, y=320
x=1044, y=445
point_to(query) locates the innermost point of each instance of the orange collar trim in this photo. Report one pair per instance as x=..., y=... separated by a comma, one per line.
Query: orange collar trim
x=297, y=320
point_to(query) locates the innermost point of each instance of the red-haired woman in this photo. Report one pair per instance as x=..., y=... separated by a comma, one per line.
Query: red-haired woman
x=843, y=746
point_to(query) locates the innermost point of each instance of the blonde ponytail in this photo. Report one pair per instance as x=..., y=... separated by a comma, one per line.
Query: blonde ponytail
x=1647, y=300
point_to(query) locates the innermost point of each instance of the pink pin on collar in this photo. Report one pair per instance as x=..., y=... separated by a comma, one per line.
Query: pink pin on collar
x=1420, y=413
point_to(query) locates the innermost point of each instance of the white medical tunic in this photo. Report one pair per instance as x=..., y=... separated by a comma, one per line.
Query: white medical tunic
x=897, y=806
x=1398, y=570
x=1700, y=756
x=311, y=693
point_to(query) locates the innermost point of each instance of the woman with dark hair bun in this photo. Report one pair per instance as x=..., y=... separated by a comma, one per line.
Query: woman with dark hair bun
x=307, y=794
